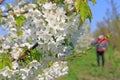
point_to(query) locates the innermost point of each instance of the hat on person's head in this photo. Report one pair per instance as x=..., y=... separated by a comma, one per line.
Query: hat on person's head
x=101, y=36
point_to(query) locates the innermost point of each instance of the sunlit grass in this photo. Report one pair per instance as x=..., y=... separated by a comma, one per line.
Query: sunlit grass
x=85, y=67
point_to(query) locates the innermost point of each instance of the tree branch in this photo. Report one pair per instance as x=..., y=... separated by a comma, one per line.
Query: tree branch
x=13, y=13
x=21, y=57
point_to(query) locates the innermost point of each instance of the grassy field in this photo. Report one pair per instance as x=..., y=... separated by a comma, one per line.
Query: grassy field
x=85, y=67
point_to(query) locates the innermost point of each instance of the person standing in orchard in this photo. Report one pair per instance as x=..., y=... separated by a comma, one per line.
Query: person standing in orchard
x=101, y=46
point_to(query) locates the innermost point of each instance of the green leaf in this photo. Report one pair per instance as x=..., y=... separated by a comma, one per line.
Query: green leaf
x=33, y=54
x=50, y=53
x=65, y=43
x=42, y=1
x=77, y=5
x=0, y=19
x=20, y=20
x=83, y=9
x=93, y=1
x=5, y=60
x=36, y=54
x=71, y=44
x=54, y=38
x=8, y=6
x=85, y=12
x=19, y=33
x=59, y=1
x=50, y=64
x=0, y=16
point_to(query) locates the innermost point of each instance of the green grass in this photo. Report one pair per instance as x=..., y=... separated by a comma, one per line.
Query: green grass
x=85, y=67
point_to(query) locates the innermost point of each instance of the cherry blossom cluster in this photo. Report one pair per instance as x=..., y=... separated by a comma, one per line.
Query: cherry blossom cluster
x=46, y=24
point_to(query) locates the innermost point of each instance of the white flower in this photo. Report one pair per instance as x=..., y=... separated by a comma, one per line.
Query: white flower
x=6, y=72
x=2, y=38
x=5, y=46
x=15, y=65
x=40, y=77
x=3, y=8
x=22, y=10
x=38, y=23
x=60, y=38
x=13, y=29
x=64, y=73
x=37, y=13
x=69, y=1
x=61, y=55
x=56, y=64
x=16, y=10
x=50, y=27
x=28, y=45
x=31, y=6
x=65, y=69
x=48, y=77
x=21, y=2
x=24, y=73
x=48, y=5
x=1, y=51
x=34, y=64
x=10, y=18
x=16, y=52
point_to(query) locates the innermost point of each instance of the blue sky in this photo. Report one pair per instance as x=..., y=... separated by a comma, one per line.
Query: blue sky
x=2, y=31
x=98, y=11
